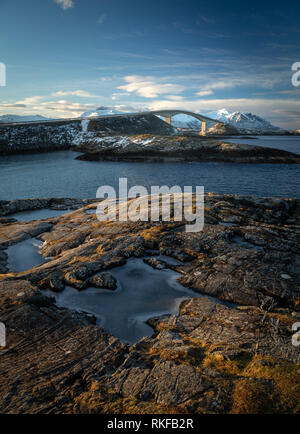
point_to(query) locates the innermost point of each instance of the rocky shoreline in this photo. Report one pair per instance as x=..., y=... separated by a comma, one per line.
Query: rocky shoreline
x=211, y=357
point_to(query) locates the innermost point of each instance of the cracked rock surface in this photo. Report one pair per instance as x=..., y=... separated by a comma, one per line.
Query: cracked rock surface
x=229, y=350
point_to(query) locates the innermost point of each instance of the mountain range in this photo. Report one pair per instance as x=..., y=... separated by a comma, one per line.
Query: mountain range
x=244, y=123
x=16, y=118
x=241, y=123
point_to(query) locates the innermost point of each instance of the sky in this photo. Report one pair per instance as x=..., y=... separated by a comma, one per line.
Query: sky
x=65, y=57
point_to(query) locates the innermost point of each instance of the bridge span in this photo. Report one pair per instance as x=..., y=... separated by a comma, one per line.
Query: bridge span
x=167, y=114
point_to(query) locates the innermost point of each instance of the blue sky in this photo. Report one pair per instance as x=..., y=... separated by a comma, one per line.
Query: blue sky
x=64, y=57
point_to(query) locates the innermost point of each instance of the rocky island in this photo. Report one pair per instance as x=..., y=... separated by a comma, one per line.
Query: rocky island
x=134, y=138
x=149, y=147
x=227, y=349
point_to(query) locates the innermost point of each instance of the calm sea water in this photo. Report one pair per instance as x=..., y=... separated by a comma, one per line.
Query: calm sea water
x=58, y=174
x=286, y=143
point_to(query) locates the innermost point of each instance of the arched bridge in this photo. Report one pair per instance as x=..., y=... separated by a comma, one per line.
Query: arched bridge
x=168, y=114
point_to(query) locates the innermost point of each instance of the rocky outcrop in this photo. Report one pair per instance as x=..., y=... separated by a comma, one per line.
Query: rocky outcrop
x=219, y=129
x=57, y=135
x=51, y=355
x=232, y=353
x=177, y=148
x=103, y=281
x=38, y=137
x=130, y=124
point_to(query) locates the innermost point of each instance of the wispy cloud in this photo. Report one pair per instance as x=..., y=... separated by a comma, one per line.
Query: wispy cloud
x=205, y=19
x=192, y=30
x=80, y=93
x=117, y=95
x=149, y=87
x=102, y=18
x=11, y=105
x=65, y=4
x=30, y=100
x=204, y=93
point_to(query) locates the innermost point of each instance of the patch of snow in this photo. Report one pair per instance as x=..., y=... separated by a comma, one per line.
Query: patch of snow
x=85, y=125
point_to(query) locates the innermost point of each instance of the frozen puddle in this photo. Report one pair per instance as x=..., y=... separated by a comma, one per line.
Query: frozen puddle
x=38, y=214
x=143, y=292
x=25, y=255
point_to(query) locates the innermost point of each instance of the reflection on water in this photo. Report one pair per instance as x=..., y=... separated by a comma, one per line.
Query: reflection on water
x=142, y=293
x=286, y=143
x=24, y=255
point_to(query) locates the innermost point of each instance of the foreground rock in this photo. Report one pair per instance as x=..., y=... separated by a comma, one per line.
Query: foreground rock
x=210, y=358
x=177, y=148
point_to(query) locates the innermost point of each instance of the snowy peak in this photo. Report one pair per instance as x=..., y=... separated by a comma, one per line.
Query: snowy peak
x=242, y=123
x=221, y=115
x=101, y=111
x=246, y=123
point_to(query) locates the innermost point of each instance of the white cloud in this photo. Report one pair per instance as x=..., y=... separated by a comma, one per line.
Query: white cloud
x=80, y=93
x=231, y=81
x=63, y=106
x=117, y=95
x=11, y=105
x=54, y=109
x=102, y=18
x=149, y=87
x=204, y=93
x=30, y=100
x=65, y=4
x=175, y=97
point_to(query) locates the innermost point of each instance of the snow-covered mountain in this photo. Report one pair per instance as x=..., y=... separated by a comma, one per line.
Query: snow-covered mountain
x=185, y=121
x=16, y=118
x=101, y=111
x=243, y=123
x=246, y=123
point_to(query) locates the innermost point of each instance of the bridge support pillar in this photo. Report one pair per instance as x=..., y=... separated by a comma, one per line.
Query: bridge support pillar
x=203, y=129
